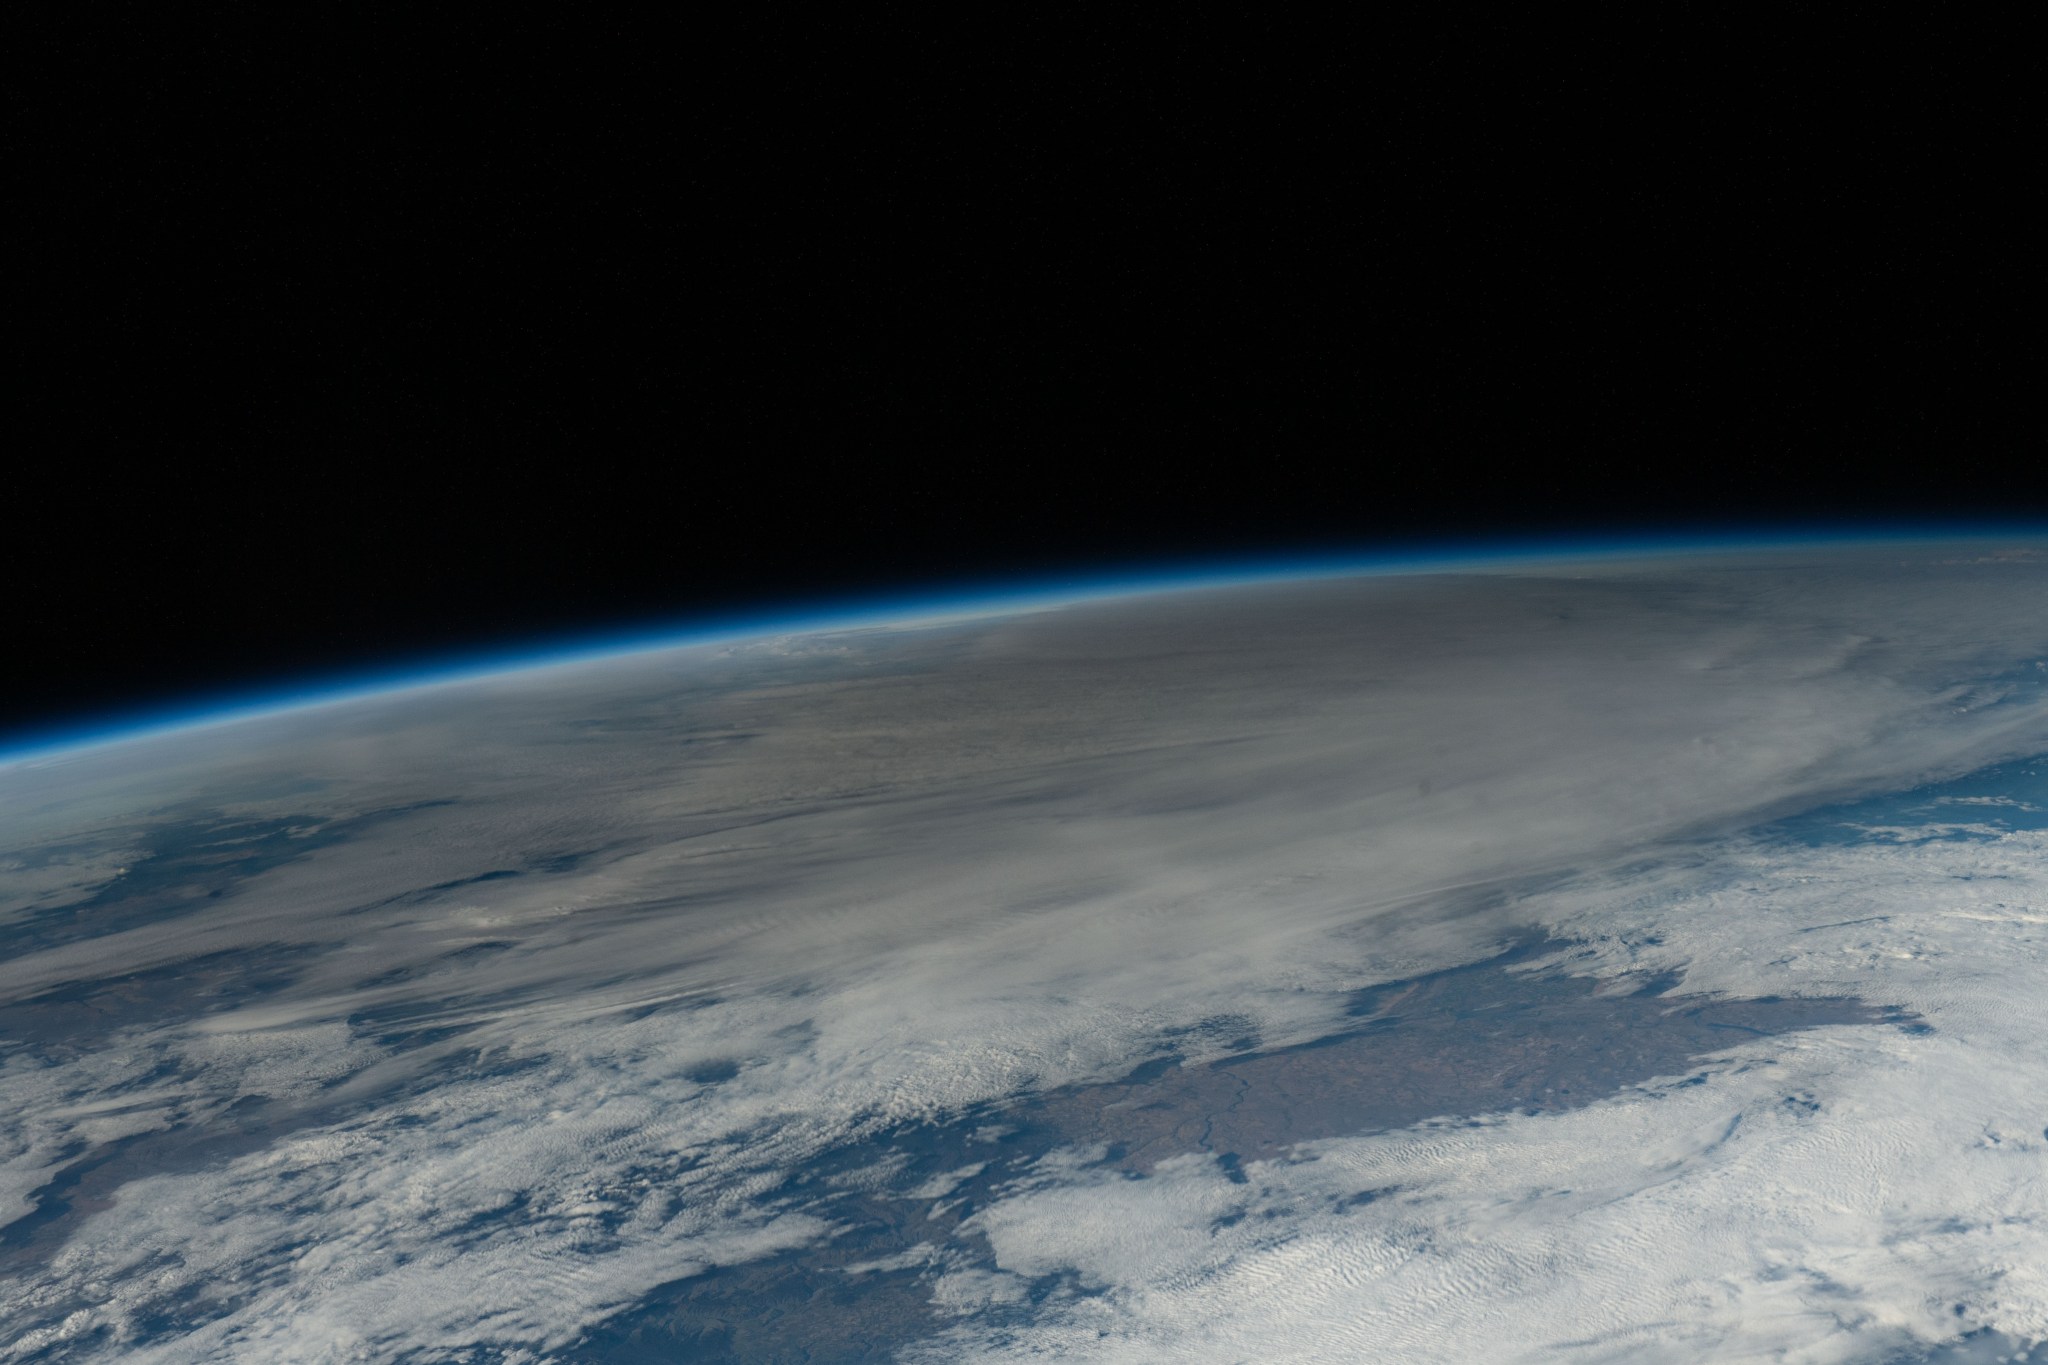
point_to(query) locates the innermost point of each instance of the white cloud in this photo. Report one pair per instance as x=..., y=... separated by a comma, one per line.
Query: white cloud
x=1834, y=1195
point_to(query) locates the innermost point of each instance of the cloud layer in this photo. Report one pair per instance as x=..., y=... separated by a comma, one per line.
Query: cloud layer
x=581, y=964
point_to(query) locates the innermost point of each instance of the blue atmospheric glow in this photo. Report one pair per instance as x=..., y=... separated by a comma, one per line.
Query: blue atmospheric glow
x=978, y=598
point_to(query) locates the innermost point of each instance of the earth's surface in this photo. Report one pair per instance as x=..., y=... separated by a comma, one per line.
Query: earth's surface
x=1602, y=959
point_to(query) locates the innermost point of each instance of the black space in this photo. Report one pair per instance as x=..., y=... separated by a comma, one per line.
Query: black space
x=342, y=341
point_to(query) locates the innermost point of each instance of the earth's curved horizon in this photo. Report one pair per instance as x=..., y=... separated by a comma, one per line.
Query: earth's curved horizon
x=988, y=595
x=1613, y=952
